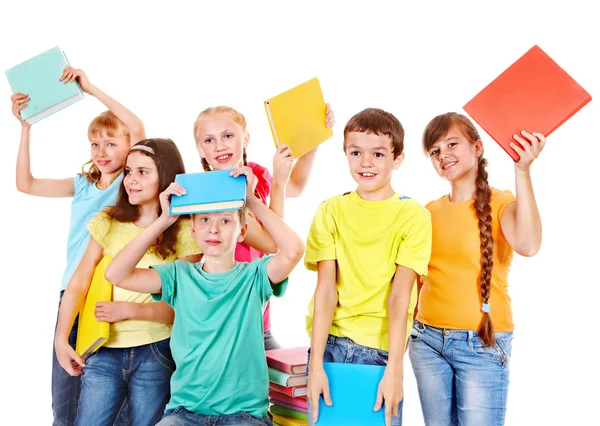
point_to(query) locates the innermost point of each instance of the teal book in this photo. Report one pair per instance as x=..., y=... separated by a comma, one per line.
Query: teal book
x=209, y=192
x=285, y=379
x=38, y=77
x=353, y=390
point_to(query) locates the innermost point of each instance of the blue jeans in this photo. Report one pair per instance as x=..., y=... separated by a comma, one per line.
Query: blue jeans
x=66, y=388
x=141, y=374
x=342, y=349
x=460, y=381
x=182, y=417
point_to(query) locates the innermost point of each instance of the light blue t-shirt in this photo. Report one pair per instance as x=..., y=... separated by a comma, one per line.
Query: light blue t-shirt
x=218, y=341
x=87, y=201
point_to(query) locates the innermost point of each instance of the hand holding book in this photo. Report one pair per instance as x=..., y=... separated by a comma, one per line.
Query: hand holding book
x=71, y=74
x=19, y=102
x=528, y=149
x=165, y=202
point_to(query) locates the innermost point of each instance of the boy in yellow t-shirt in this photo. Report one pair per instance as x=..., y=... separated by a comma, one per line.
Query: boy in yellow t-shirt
x=368, y=246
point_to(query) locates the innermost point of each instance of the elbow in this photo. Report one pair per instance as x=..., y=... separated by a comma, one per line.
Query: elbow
x=112, y=277
x=529, y=251
x=298, y=250
x=23, y=187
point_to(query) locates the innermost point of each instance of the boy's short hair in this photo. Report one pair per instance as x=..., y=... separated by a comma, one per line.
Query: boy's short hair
x=379, y=122
x=241, y=213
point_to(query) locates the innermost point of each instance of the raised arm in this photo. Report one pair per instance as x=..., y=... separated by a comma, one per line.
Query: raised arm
x=283, y=161
x=122, y=271
x=520, y=221
x=304, y=164
x=136, y=128
x=325, y=302
x=26, y=183
x=71, y=304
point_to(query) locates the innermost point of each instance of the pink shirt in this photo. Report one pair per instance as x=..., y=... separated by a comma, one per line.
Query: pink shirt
x=245, y=253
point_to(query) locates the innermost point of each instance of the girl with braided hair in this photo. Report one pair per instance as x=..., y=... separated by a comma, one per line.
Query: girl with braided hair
x=461, y=340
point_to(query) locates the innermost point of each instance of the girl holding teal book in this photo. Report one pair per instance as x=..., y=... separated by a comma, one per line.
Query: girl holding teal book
x=110, y=136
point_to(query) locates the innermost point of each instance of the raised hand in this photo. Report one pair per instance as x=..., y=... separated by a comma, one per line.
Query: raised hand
x=165, y=201
x=251, y=180
x=19, y=102
x=283, y=163
x=531, y=148
x=71, y=74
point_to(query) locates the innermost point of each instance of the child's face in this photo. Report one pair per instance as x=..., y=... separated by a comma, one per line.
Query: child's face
x=221, y=141
x=454, y=156
x=141, y=179
x=371, y=161
x=109, y=153
x=217, y=233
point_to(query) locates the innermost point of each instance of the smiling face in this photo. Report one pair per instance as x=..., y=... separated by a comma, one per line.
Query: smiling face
x=371, y=162
x=217, y=233
x=220, y=140
x=141, y=179
x=109, y=152
x=454, y=156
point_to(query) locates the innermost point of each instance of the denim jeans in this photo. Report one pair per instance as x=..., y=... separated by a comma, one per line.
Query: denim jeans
x=141, y=374
x=460, y=381
x=66, y=388
x=182, y=417
x=342, y=349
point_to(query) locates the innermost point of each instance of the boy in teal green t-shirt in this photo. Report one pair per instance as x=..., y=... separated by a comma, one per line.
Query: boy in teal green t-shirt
x=217, y=341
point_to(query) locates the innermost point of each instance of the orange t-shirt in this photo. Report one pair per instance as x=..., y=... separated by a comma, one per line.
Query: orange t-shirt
x=450, y=296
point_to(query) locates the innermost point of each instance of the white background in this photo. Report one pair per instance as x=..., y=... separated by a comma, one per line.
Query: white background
x=169, y=62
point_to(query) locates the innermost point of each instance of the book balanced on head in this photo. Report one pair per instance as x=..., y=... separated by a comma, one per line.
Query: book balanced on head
x=213, y=191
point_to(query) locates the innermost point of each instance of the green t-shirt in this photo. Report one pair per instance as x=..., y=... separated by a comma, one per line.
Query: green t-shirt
x=217, y=339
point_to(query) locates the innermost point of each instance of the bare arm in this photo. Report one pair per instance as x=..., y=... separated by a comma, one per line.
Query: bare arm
x=521, y=222
x=291, y=247
x=136, y=128
x=26, y=183
x=258, y=237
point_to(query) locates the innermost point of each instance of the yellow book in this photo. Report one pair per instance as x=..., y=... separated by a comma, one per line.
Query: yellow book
x=297, y=117
x=287, y=421
x=91, y=334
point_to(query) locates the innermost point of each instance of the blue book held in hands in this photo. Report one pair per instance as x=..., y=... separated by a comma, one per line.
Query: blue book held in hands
x=353, y=390
x=39, y=77
x=209, y=192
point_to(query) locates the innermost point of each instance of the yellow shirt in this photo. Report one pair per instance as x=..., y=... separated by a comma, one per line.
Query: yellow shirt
x=368, y=239
x=113, y=235
x=450, y=296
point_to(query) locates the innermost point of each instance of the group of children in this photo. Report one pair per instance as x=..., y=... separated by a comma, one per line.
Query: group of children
x=190, y=315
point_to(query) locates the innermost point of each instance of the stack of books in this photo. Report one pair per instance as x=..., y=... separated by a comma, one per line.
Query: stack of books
x=287, y=386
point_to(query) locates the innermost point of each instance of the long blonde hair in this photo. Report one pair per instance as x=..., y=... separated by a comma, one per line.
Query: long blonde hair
x=106, y=123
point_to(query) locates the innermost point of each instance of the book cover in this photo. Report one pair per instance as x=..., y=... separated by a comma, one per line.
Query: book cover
x=289, y=406
x=91, y=333
x=288, y=421
x=277, y=397
x=285, y=379
x=294, y=391
x=38, y=77
x=533, y=94
x=288, y=412
x=297, y=117
x=289, y=360
x=209, y=192
x=353, y=390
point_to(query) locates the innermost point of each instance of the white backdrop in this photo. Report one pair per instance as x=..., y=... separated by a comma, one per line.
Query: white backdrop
x=168, y=63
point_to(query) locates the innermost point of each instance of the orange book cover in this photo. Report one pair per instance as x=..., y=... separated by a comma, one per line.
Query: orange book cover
x=288, y=360
x=533, y=94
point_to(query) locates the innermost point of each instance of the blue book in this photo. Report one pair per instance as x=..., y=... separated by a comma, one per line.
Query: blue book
x=353, y=390
x=38, y=77
x=209, y=192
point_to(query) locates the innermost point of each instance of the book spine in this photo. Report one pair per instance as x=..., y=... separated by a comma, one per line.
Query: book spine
x=272, y=124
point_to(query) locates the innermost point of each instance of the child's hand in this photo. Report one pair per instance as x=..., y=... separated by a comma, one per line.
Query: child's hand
x=283, y=163
x=114, y=311
x=19, y=101
x=251, y=180
x=329, y=117
x=318, y=384
x=391, y=392
x=531, y=148
x=68, y=358
x=165, y=202
x=71, y=74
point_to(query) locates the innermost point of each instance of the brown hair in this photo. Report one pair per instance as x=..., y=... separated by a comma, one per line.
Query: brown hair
x=234, y=114
x=112, y=126
x=241, y=213
x=169, y=163
x=438, y=128
x=379, y=122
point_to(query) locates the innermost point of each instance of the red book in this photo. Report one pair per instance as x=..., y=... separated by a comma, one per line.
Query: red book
x=280, y=397
x=288, y=360
x=292, y=391
x=533, y=94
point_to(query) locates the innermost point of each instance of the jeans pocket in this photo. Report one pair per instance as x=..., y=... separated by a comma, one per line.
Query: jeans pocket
x=416, y=331
x=496, y=353
x=265, y=421
x=379, y=357
x=162, y=353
